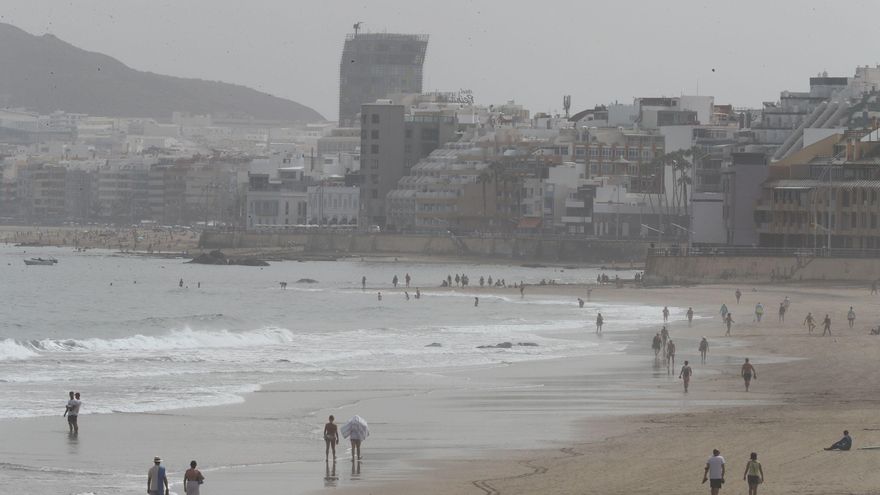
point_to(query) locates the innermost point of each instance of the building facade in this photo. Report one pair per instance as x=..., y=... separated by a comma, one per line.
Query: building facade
x=375, y=65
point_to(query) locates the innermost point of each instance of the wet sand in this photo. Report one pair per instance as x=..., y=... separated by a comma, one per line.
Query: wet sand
x=795, y=408
x=555, y=426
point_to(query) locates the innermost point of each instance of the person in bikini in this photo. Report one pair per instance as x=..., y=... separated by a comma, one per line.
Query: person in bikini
x=331, y=438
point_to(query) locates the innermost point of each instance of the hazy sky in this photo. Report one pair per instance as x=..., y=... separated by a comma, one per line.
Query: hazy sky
x=531, y=51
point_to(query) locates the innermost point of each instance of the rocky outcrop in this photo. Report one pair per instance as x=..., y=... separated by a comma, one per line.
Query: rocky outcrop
x=217, y=257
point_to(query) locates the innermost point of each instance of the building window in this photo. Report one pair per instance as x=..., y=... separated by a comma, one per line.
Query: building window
x=408, y=133
x=374, y=193
x=374, y=134
x=374, y=118
x=374, y=149
x=374, y=179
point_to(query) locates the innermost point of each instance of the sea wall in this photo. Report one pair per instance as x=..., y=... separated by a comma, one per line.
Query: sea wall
x=758, y=269
x=515, y=247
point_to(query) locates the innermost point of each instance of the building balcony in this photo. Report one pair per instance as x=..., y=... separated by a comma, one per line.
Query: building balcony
x=574, y=203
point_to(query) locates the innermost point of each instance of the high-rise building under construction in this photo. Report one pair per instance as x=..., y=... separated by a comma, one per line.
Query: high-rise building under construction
x=375, y=65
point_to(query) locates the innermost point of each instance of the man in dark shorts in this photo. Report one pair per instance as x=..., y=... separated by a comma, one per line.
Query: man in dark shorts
x=748, y=372
x=714, y=472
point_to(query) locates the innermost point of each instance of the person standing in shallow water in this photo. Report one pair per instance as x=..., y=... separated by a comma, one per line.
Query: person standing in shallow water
x=192, y=479
x=704, y=350
x=690, y=315
x=665, y=314
x=728, y=321
x=331, y=438
x=599, y=322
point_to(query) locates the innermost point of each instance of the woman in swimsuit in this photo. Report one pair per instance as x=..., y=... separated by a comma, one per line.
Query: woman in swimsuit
x=331, y=438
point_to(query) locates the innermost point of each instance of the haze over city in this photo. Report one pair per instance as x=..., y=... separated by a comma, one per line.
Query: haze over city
x=457, y=247
x=740, y=52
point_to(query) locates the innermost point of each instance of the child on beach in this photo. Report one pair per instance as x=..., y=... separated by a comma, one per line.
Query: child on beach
x=331, y=438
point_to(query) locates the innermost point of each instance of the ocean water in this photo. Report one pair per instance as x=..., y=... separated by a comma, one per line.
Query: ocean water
x=120, y=329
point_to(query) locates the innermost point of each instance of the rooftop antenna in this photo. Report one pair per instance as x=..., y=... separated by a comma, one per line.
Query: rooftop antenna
x=357, y=27
x=566, y=104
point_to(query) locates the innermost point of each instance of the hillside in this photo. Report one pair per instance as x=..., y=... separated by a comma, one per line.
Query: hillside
x=44, y=74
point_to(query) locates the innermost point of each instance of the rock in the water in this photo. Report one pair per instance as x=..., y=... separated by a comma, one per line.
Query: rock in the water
x=434, y=344
x=217, y=257
x=307, y=281
x=508, y=345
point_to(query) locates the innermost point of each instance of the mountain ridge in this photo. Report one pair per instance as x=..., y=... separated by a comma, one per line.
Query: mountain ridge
x=44, y=74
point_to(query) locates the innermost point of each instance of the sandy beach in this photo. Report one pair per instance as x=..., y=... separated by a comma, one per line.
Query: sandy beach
x=546, y=426
x=800, y=406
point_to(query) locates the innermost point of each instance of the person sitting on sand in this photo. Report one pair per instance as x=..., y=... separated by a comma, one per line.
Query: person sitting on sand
x=331, y=438
x=844, y=443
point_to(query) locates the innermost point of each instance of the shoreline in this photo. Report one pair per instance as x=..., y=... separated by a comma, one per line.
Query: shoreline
x=784, y=435
x=439, y=428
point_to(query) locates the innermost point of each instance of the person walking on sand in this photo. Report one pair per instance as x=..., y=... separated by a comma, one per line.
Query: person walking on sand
x=723, y=311
x=670, y=356
x=759, y=312
x=851, y=317
x=394, y=281
x=782, y=312
x=407, y=279
x=364, y=282
x=476, y=301
x=748, y=372
x=704, y=350
x=690, y=316
x=580, y=302
x=844, y=443
x=406, y=294
x=331, y=438
x=665, y=314
x=728, y=320
x=599, y=322
x=192, y=479
x=714, y=472
x=738, y=295
x=810, y=323
x=664, y=336
x=522, y=291
x=754, y=473
x=685, y=375
x=156, y=478
x=826, y=325
x=657, y=345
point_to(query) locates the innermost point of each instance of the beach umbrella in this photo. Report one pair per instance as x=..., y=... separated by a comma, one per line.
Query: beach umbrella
x=357, y=428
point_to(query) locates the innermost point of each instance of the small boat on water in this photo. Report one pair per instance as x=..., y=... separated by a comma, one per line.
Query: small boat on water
x=40, y=261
